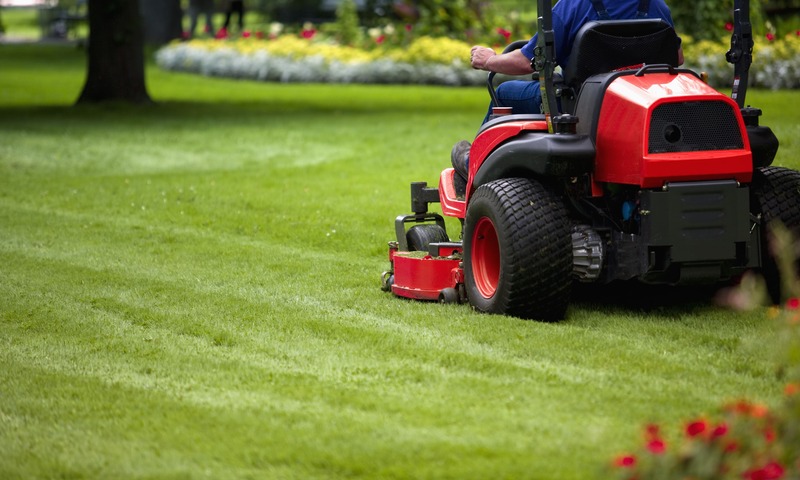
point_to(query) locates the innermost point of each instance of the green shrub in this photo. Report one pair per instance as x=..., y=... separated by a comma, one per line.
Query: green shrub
x=776, y=61
x=346, y=27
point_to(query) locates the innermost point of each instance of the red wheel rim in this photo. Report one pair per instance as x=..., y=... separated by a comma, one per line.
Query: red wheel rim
x=485, y=257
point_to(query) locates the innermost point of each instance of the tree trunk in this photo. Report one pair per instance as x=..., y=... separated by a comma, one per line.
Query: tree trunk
x=162, y=20
x=115, y=53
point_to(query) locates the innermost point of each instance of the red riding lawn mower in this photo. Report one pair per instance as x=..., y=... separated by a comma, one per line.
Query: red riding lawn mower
x=663, y=180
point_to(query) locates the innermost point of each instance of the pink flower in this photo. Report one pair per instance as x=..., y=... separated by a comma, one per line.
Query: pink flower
x=246, y=34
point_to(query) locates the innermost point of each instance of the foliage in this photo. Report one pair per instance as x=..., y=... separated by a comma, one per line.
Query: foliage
x=346, y=26
x=704, y=18
x=745, y=440
x=776, y=61
x=443, y=18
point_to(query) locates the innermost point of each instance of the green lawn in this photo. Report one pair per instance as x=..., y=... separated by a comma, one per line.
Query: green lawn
x=191, y=290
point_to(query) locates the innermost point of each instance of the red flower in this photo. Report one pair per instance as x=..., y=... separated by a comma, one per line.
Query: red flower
x=771, y=37
x=656, y=446
x=744, y=407
x=792, y=389
x=770, y=471
x=380, y=39
x=729, y=26
x=505, y=33
x=769, y=435
x=696, y=428
x=260, y=35
x=719, y=431
x=625, y=461
x=308, y=34
x=758, y=410
x=246, y=34
x=793, y=304
x=409, y=27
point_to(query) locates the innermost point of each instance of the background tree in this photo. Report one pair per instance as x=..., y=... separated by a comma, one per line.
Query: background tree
x=116, y=53
x=162, y=20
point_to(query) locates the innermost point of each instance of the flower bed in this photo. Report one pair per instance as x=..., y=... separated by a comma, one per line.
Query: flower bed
x=744, y=439
x=427, y=60
x=776, y=62
x=292, y=59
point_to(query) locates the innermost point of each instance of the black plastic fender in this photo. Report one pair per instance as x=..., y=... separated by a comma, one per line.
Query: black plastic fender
x=538, y=154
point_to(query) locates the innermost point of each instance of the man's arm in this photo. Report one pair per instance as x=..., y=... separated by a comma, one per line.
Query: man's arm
x=511, y=63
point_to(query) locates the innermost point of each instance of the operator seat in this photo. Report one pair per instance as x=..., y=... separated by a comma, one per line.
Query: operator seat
x=606, y=45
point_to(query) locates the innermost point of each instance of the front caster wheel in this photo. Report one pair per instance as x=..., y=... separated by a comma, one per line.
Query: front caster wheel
x=448, y=295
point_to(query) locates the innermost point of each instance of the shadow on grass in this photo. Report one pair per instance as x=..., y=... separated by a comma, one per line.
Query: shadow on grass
x=635, y=297
x=264, y=111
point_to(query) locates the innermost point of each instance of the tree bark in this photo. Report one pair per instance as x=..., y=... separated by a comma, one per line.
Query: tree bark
x=115, y=53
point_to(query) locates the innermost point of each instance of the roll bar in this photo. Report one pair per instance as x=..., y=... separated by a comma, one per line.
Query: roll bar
x=544, y=60
x=741, y=52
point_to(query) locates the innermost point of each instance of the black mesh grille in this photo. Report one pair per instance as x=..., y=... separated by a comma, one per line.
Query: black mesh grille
x=694, y=126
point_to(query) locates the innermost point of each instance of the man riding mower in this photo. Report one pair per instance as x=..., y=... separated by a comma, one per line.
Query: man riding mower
x=636, y=169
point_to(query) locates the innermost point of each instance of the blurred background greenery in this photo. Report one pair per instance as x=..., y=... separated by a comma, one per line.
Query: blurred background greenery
x=461, y=19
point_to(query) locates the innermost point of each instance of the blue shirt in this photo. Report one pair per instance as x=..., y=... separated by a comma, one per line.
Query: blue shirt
x=570, y=15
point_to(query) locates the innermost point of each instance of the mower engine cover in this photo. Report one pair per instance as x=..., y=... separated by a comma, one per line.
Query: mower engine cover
x=658, y=127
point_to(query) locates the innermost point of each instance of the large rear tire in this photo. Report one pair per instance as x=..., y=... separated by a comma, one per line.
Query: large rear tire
x=776, y=197
x=518, y=250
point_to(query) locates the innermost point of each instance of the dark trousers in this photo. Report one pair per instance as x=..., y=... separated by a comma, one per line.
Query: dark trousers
x=235, y=6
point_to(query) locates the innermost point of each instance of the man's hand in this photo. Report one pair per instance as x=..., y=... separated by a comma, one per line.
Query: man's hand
x=479, y=57
x=511, y=63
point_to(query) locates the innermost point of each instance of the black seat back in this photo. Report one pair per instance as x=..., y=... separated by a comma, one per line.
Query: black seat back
x=607, y=45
